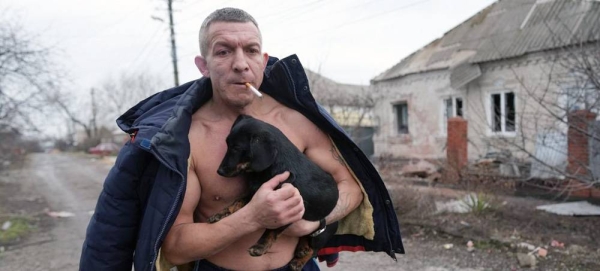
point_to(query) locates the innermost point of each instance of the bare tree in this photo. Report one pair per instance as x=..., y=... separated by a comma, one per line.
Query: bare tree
x=566, y=81
x=26, y=76
x=121, y=93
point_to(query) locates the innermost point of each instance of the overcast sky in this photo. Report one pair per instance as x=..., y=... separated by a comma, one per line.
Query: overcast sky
x=349, y=41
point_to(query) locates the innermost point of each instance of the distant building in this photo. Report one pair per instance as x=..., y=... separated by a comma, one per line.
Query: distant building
x=350, y=105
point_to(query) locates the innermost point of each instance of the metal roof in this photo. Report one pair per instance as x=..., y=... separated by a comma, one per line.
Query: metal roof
x=506, y=29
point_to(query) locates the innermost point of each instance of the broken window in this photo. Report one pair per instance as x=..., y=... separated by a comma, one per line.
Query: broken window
x=453, y=107
x=401, y=110
x=503, y=112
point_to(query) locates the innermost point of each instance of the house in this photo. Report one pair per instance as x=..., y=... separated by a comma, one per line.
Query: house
x=350, y=105
x=508, y=71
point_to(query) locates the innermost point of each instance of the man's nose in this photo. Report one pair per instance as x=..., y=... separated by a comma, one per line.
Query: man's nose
x=240, y=63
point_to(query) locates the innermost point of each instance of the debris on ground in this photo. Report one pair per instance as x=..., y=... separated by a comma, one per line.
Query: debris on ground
x=579, y=208
x=527, y=246
x=448, y=246
x=470, y=246
x=526, y=260
x=61, y=214
x=558, y=244
x=542, y=252
x=6, y=225
x=462, y=206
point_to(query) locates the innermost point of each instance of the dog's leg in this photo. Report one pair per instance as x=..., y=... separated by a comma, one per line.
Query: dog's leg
x=302, y=254
x=238, y=204
x=266, y=241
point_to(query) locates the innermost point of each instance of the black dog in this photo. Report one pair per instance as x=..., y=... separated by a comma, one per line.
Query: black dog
x=260, y=151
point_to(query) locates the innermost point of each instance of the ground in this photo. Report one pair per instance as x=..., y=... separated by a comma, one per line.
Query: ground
x=72, y=182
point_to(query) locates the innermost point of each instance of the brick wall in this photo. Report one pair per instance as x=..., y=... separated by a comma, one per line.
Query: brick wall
x=578, y=153
x=456, y=149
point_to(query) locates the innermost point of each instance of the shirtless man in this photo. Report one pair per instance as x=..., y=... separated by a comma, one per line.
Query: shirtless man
x=231, y=49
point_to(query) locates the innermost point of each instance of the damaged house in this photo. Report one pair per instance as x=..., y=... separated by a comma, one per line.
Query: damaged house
x=350, y=105
x=510, y=72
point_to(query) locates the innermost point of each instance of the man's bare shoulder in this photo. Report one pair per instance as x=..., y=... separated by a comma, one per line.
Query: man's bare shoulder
x=302, y=126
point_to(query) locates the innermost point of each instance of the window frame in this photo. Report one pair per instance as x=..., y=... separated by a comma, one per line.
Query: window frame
x=503, y=118
x=443, y=110
x=395, y=107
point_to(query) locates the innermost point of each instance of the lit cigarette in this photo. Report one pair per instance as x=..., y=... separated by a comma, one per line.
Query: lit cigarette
x=248, y=85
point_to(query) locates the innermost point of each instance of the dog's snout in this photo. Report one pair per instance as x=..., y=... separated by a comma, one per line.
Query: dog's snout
x=221, y=172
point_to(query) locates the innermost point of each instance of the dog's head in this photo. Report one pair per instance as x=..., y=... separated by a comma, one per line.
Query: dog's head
x=250, y=147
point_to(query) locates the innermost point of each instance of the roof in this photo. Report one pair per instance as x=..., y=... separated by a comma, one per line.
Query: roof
x=329, y=92
x=506, y=29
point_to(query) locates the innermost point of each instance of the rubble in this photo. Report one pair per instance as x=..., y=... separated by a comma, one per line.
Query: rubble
x=526, y=260
x=579, y=208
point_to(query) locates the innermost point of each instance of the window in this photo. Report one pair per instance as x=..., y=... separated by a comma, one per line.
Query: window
x=503, y=112
x=452, y=107
x=401, y=110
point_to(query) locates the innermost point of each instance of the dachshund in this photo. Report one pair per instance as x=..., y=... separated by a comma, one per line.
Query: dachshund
x=259, y=151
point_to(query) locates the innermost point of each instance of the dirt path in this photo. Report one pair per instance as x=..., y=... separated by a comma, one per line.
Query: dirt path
x=72, y=183
x=66, y=183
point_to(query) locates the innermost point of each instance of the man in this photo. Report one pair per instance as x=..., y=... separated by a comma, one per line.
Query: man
x=156, y=201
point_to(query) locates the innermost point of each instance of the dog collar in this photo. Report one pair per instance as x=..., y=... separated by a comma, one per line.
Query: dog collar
x=321, y=228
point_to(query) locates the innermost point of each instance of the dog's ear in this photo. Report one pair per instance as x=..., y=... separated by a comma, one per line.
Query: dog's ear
x=240, y=118
x=262, y=153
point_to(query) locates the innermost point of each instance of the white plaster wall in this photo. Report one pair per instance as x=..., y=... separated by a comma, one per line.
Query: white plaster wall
x=528, y=77
x=421, y=92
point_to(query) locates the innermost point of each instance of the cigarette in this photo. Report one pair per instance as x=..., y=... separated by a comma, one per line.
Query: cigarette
x=248, y=85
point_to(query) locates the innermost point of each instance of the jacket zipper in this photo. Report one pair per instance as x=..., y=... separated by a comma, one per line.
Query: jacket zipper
x=171, y=211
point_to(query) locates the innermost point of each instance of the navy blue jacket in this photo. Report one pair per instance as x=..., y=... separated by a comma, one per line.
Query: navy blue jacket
x=144, y=190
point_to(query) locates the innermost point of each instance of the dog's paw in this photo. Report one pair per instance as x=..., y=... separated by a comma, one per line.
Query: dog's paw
x=215, y=218
x=257, y=250
x=296, y=264
x=302, y=252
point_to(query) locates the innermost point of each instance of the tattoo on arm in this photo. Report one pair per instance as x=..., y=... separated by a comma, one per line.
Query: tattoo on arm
x=336, y=155
x=342, y=207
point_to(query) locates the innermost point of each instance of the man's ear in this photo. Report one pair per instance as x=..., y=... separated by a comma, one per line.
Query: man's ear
x=262, y=153
x=265, y=60
x=202, y=65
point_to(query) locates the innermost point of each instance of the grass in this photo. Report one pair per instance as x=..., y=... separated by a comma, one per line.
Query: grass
x=19, y=228
x=478, y=203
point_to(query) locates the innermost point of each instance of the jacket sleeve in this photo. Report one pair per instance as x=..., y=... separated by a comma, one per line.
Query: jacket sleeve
x=112, y=232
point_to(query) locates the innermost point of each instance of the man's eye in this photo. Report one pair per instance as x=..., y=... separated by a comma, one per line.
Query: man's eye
x=253, y=51
x=222, y=53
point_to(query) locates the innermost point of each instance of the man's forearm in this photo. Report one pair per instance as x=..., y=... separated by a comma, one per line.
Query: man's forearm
x=193, y=241
x=350, y=198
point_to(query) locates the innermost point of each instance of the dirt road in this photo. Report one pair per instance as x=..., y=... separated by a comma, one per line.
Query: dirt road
x=72, y=183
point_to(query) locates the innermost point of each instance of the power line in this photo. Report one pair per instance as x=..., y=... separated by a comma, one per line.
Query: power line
x=365, y=18
x=147, y=45
x=173, y=46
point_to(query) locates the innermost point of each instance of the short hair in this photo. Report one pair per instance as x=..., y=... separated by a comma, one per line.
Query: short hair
x=223, y=15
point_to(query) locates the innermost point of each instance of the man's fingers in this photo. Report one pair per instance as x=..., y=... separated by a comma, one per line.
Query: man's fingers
x=275, y=181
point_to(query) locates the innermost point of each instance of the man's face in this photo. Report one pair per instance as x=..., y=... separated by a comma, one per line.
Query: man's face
x=234, y=58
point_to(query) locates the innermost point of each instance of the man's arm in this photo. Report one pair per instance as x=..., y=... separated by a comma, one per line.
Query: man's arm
x=321, y=151
x=269, y=208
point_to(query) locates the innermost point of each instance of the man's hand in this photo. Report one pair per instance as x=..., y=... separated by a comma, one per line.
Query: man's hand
x=273, y=208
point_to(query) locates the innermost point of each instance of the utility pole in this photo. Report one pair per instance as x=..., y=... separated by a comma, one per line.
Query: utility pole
x=173, y=47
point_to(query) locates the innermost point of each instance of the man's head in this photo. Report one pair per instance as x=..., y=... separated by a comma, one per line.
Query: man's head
x=231, y=55
x=232, y=15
